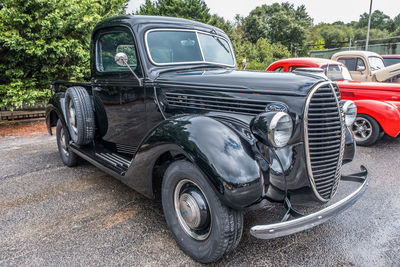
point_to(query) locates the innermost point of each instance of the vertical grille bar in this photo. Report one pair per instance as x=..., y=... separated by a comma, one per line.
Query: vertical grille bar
x=324, y=139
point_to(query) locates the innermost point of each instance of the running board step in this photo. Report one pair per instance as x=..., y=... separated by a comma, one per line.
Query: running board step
x=112, y=163
x=115, y=160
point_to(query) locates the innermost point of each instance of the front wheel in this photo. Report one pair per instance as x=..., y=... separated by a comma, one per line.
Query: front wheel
x=366, y=130
x=201, y=224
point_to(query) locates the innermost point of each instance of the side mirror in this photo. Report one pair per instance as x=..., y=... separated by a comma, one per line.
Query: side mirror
x=122, y=60
x=360, y=68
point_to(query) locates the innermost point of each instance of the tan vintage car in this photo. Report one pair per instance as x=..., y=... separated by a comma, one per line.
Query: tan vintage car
x=367, y=66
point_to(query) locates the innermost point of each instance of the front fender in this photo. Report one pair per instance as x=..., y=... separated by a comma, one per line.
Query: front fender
x=386, y=113
x=222, y=155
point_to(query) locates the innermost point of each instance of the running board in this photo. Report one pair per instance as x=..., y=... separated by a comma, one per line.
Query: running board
x=114, y=159
x=111, y=163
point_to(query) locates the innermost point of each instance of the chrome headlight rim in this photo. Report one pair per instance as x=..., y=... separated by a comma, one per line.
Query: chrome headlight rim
x=273, y=127
x=349, y=106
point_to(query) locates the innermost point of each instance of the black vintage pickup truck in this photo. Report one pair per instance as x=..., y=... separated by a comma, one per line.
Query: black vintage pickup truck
x=168, y=113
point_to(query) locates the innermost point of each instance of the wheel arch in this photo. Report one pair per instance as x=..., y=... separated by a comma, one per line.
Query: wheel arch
x=224, y=158
x=160, y=166
x=52, y=116
x=386, y=114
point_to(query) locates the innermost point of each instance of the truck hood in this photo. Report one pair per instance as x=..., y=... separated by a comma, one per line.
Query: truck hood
x=259, y=82
x=387, y=73
x=394, y=87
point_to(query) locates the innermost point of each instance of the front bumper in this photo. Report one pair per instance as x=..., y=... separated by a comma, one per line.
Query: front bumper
x=274, y=230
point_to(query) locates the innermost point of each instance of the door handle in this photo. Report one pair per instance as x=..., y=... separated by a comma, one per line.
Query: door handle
x=97, y=89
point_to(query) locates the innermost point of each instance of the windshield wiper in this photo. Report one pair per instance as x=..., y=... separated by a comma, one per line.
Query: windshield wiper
x=219, y=41
x=202, y=65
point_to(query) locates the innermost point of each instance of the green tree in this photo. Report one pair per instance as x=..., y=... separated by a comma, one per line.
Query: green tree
x=260, y=54
x=361, y=33
x=45, y=40
x=335, y=35
x=379, y=20
x=190, y=9
x=278, y=23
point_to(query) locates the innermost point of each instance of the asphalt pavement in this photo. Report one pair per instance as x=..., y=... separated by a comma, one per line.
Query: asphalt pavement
x=53, y=215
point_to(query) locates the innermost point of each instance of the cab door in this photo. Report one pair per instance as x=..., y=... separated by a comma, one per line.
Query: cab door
x=117, y=95
x=356, y=66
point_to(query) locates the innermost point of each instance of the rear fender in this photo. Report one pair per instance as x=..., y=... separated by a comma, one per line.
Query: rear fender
x=54, y=111
x=387, y=114
x=221, y=154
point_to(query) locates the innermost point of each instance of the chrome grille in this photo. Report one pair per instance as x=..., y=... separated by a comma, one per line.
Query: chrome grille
x=215, y=103
x=324, y=138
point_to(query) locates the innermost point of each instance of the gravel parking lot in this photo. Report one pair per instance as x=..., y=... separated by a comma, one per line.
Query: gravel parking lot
x=54, y=215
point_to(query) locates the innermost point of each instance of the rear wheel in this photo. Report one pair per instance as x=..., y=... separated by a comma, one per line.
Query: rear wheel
x=366, y=130
x=201, y=224
x=68, y=157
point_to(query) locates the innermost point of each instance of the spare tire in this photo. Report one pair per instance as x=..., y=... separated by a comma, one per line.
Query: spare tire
x=79, y=115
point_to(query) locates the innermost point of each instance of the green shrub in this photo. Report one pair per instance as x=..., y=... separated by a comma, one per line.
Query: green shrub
x=45, y=40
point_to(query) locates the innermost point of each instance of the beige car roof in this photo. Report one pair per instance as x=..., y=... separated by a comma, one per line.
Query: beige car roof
x=355, y=53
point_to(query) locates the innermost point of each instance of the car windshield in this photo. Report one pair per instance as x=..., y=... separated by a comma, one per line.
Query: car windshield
x=391, y=61
x=166, y=47
x=376, y=63
x=337, y=72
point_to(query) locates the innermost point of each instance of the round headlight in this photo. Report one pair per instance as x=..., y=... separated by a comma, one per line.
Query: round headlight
x=280, y=129
x=350, y=112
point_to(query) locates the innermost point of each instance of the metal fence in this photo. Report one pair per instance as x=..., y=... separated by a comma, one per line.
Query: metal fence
x=382, y=49
x=24, y=112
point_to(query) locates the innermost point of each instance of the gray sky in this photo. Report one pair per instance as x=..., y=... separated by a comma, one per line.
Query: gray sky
x=320, y=10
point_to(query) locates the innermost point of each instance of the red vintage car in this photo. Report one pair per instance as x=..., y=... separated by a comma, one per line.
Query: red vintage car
x=378, y=104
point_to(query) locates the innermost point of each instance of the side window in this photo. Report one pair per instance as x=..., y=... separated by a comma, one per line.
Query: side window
x=353, y=63
x=360, y=64
x=111, y=43
x=279, y=69
x=350, y=62
x=292, y=68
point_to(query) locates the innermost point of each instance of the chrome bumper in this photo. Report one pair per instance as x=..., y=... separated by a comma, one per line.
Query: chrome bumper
x=274, y=230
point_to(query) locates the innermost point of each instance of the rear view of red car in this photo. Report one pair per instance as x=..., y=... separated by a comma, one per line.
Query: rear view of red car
x=378, y=104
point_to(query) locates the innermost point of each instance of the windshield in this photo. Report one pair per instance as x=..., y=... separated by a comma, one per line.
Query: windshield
x=337, y=72
x=391, y=61
x=376, y=63
x=167, y=47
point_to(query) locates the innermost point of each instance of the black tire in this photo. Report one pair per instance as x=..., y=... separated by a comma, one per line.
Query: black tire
x=79, y=115
x=68, y=157
x=381, y=135
x=225, y=224
x=366, y=130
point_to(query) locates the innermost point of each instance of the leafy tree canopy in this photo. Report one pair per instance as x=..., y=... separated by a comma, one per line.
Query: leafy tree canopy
x=338, y=33
x=379, y=20
x=279, y=23
x=45, y=40
x=190, y=9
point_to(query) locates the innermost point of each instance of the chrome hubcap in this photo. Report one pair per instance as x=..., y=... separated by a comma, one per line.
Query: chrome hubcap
x=192, y=209
x=189, y=210
x=72, y=115
x=362, y=129
x=63, y=142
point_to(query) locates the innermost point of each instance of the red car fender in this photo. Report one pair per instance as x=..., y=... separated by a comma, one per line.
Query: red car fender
x=387, y=114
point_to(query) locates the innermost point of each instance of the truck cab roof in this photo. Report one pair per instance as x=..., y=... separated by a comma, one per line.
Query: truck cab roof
x=159, y=21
